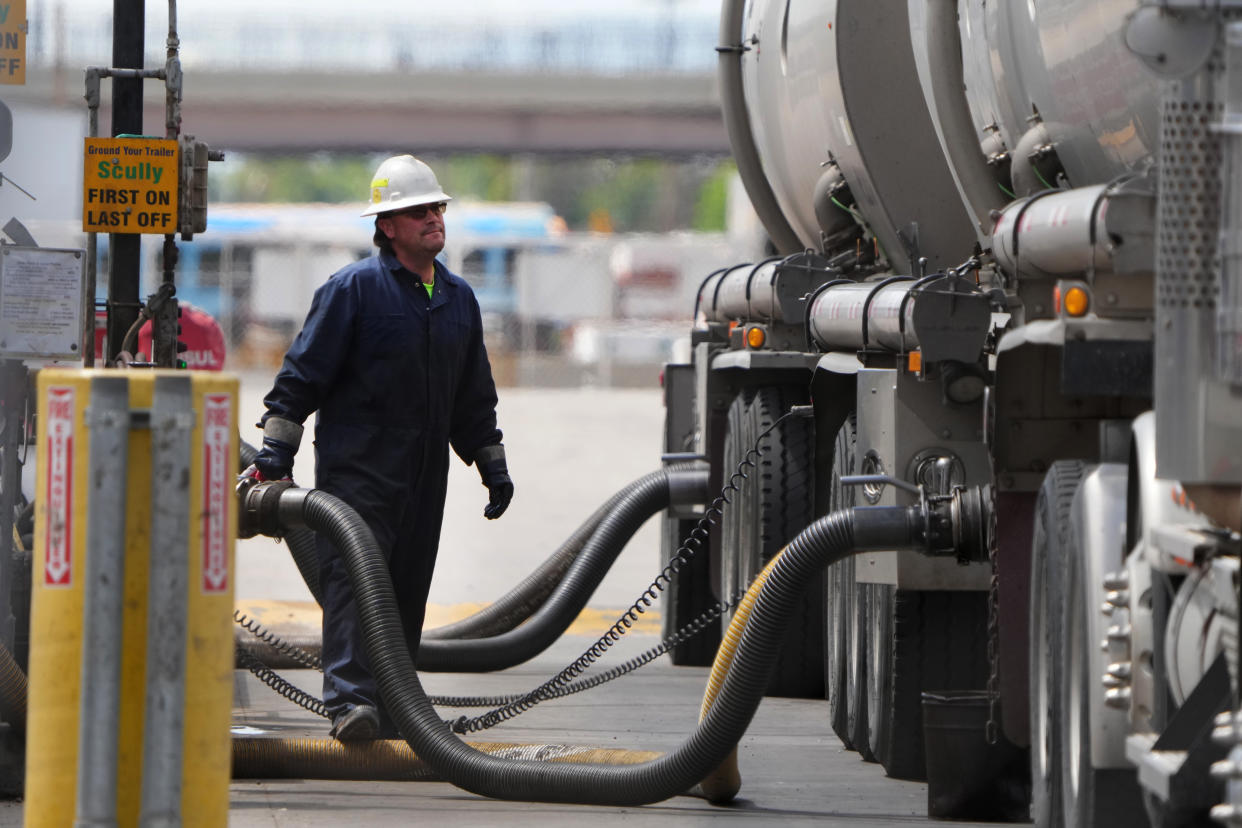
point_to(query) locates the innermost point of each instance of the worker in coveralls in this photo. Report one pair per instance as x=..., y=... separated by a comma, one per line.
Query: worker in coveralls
x=391, y=356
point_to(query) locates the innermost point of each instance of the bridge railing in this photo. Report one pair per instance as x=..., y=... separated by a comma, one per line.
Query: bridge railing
x=597, y=46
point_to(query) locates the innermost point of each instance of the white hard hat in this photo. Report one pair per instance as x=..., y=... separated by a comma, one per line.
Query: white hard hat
x=403, y=181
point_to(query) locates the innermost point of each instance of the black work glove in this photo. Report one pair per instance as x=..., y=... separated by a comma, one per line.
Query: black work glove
x=495, y=473
x=275, y=460
x=280, y=442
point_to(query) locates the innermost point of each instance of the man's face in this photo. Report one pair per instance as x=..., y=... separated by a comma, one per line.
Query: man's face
x=418, y=230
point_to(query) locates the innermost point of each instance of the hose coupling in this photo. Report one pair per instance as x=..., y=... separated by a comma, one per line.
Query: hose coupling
x=974, y=523
x=259, y=509
x=957, y=524
x=687, y=484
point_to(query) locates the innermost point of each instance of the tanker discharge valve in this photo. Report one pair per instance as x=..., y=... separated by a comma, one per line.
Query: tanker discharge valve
x=956, y=524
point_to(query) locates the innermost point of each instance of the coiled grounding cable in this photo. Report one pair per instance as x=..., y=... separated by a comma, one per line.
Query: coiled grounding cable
x=563, y=684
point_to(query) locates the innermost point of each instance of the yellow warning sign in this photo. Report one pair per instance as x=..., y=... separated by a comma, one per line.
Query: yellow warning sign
x=129, y=185
x=13, y=41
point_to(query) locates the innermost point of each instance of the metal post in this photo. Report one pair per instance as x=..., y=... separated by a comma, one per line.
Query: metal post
x=125, y=249
x=14, y=379
x=92, y=242
x=164, y=319
x=107, y=418
x=162, y=305
x=172, y=421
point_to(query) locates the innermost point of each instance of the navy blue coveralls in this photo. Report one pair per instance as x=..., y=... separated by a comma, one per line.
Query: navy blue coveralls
x=397, y=377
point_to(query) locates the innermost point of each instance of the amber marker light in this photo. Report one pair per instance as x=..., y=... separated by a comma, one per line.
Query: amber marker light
x=914, y=361
x=1076, y=301
x=755, y=337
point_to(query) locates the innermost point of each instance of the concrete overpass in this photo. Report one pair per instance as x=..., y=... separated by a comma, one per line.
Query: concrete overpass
x=426, y=110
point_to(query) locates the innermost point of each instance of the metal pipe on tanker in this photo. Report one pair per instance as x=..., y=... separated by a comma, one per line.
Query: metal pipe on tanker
x=746, y=294
x=709, y=292
x=737, y=125
x=761, y=293
x=1050, y=233
x=836, y=317
x=938, y=55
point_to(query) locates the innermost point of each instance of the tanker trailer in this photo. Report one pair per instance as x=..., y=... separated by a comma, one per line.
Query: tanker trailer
x=1005, y=253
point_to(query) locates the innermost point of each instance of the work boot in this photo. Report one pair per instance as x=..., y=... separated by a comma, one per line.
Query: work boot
x=358, y=723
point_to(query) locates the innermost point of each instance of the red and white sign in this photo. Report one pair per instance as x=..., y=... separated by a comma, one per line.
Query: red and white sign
x=201, y=333
x=58, y=564
x=217, y=490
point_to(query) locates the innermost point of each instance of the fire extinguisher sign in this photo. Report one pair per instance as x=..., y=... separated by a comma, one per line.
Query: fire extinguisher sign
x=217, y=489
x=58, y=563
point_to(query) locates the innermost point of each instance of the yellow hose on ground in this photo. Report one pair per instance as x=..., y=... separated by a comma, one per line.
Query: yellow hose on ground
x=389, y=760
x=722, y=784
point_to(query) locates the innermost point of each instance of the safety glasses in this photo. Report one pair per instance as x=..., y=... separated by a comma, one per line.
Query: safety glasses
x=420, y=212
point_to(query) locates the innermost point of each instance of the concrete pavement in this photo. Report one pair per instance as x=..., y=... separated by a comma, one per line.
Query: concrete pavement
x=794, y=770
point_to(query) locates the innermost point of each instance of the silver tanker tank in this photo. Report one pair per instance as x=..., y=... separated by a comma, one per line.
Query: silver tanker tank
x=1053, y=99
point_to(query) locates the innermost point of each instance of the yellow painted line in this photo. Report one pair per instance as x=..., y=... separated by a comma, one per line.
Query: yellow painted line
x=592, y=620
x=289, y=617
x=440, y=614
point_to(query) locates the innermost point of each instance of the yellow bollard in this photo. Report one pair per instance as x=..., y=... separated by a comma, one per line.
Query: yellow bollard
x=193, y=499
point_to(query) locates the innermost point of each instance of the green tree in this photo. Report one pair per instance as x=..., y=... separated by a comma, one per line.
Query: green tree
x=711, y=207
x=631, y=193
x=477, y=177
x=303, y=178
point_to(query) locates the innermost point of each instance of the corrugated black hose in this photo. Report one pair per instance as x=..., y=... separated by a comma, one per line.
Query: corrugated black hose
x=638, y=502
x=826, y=541
x=502, y=615
x=301, y=541
x=519, y=603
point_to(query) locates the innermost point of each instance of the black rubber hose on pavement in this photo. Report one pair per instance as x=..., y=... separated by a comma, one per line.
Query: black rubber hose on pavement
x=824, y=542
x=521, y=602
x=639, y=501
x=508, y=611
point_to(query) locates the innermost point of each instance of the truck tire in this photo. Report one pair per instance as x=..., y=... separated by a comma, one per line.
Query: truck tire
x=778, y=503
x=849, y=616
x=880, y=691
x=1090, y=796
x=737, y=441
x=839, y=597
x=687, y=596
x=838, y=621
x=918, y=641
x=1049, y=539
x=856, y=670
